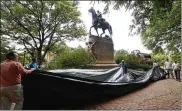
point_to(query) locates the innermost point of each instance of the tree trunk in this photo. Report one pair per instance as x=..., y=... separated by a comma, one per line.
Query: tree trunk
x=39, y=57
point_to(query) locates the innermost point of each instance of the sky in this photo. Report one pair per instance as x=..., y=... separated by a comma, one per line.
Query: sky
x=119, y=20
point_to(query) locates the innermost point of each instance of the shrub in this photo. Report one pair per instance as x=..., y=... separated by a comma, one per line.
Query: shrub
x=127, y=58
x=70, y=58
x=159, y=57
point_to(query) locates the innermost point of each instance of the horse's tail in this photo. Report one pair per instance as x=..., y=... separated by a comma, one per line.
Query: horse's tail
x=110, y=30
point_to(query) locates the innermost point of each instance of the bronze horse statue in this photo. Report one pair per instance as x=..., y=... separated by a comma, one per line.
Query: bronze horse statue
x=99, y=22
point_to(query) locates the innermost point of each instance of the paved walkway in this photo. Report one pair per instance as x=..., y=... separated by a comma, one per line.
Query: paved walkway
x=163, y=95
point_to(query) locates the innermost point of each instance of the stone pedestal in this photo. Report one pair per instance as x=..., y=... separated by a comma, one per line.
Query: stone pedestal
x=102, y=50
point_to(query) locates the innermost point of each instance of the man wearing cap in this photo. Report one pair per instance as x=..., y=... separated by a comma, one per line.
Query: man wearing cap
x=123, y=65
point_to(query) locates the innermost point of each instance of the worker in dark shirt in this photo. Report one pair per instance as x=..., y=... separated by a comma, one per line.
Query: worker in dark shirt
x=33, y=64
x=124, y=65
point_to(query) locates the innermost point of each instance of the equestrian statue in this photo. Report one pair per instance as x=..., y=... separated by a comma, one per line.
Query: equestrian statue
x=99, y=22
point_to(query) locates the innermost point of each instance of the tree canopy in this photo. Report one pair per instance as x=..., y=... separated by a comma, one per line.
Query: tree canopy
x=121, y=51
x=38, y=25
x=5, y=48
x=164, y=29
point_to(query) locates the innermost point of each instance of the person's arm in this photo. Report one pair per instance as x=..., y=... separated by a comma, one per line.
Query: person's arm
x=119, y=64
x=37, y=67
x=179, y=66
x=28, y=66
x=22, y=70
x=126, y=65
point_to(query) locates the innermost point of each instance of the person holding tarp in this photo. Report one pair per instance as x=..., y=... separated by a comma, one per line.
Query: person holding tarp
x=156, y=64
x=124, y=66
x=177, y=69
x=33, y=64
x=10, y=82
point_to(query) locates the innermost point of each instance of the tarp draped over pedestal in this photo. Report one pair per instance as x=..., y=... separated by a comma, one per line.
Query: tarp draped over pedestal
x=56, y=89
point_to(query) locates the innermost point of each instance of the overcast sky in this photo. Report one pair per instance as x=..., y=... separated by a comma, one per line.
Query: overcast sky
x=119, y=20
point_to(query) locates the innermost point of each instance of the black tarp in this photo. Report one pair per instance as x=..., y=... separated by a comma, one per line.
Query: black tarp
x=72, y=88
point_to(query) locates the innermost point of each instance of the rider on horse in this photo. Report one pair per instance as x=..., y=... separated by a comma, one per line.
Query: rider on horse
x=99, y=22
x=99, y=17
x=99, y=14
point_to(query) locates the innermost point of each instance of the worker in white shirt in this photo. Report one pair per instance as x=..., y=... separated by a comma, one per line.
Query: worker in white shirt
x=173, y=65
x=168, y=68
